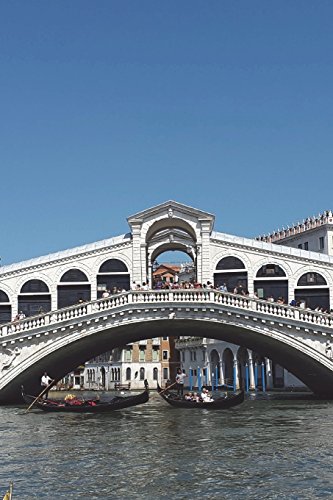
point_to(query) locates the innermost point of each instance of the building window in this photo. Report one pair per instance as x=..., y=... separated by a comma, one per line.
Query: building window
x=165, y=355
x=165, y=373
x=142, y=373
x=142, y=354
x=203, y=356
x=165, y=338
x=194, y=355
x=155, y=374
x=321, y=243
x=155, y=354
x=128, y=374
x=128, y=354
x=300, y=246
x=183, y=355
x=306, y=245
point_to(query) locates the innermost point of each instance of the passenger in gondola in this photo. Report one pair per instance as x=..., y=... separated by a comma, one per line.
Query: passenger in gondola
x=196, y=397
x=180, y=379
x=205, y=396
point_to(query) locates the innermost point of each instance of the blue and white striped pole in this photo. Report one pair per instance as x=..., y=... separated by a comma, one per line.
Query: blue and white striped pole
x=191, y=379
x=263, y=379
x=255, y=375
x=199, y=379
x=247, y=377
x=206, y=376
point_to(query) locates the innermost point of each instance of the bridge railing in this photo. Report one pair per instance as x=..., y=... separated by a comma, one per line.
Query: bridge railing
x=199, y=296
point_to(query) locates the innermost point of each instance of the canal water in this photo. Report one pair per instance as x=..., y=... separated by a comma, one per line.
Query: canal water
x=269, y=448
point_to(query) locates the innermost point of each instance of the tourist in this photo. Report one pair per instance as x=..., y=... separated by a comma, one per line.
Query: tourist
x=205, y=396
x=180, y=379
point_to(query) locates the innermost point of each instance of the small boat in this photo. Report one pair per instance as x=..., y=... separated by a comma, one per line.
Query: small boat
x=86, y=406
x=221, y=403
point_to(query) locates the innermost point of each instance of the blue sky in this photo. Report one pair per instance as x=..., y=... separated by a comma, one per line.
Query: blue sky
x=111, y=107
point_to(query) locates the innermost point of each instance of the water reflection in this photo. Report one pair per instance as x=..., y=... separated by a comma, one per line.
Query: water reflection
x=268, y=448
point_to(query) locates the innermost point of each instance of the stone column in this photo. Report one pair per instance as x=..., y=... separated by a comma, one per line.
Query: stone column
x=136, y=252
x=205, y=251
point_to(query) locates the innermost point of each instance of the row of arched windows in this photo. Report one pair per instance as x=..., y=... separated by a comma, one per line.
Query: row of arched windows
x=74, y=287
x=271, y=281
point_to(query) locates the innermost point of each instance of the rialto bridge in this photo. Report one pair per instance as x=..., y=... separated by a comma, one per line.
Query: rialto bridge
x=68, y=322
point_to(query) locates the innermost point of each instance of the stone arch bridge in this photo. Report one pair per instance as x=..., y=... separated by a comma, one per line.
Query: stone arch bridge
x=297, y=339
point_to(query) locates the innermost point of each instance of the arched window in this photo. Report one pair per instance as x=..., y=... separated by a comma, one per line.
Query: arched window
x=155, y=374
x=270, y=271
x=3, y=297
x=271, y=283
x=73, y=288
x=5, y=308
x=128, y=373
x=142, y=373
x=113, y=266
x=34, y=298
x=113, y=276
x=228, y=263
x=311, y=279
x=35, y=286
x=230, y=271
x=73, y=275
x=312, y=290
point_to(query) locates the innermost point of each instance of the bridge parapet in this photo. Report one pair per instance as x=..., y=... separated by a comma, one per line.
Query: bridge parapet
x=200, y=296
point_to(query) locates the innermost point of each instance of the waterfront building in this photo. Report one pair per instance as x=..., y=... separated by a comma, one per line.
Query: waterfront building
x=218, y=363
x=154, y=360
x=314, y=234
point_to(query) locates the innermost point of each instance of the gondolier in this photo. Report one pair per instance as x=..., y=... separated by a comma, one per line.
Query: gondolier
x=45, y=382
x=180, y=379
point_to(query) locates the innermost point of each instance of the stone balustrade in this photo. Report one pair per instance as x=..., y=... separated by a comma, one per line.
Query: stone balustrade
x=197, y=296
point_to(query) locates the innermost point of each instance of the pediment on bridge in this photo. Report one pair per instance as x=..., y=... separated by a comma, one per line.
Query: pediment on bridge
x=171, y=210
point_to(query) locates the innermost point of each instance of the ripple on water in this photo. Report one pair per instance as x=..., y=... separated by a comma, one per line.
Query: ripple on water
x=267, y=449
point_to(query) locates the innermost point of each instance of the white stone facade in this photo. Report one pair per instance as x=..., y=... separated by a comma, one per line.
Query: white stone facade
x=91, y=325
x=164, y=227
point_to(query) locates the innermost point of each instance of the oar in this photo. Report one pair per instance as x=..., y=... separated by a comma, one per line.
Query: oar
x=167, y=388
x=47, y=388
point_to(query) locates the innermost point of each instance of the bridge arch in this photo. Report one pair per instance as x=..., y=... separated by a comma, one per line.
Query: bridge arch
x=60, y=354
x=151, y=228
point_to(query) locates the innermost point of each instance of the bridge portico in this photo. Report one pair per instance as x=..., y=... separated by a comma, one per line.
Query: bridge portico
x=60, y=332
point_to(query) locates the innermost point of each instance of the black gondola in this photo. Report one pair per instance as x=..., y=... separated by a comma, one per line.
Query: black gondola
x=221, y=403
x=87, y=406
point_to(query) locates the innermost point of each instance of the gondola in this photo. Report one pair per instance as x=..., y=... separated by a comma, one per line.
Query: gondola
x=221, y=403
x=87, y=406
